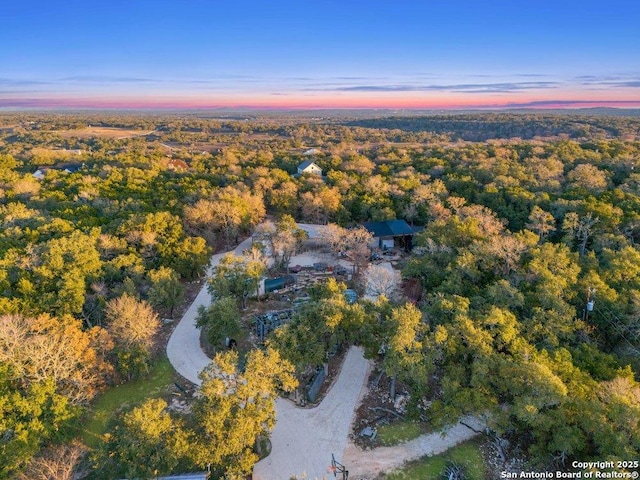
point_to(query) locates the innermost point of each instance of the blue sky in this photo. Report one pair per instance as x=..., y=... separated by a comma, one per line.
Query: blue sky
x=319, y=53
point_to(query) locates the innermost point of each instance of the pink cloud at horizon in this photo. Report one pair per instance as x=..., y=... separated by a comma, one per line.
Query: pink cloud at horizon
x=359, y=100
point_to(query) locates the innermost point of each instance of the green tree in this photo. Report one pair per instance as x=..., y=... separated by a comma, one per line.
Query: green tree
x=237, y=277
x=30, y=414
x=404, y=355
x=237, y=408
x=166, y=290
x=145, y=442
x=60, y=270
x=190, y=257
x=219, y=320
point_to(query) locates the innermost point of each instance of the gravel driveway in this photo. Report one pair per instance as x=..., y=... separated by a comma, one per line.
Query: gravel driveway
x=304, y=439
x=183, y=348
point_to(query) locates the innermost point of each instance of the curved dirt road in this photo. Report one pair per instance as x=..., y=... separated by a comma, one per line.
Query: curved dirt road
x=183, y=348
x=304, y=439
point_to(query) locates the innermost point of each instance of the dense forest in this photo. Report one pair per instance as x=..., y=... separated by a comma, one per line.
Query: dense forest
x=529, y=260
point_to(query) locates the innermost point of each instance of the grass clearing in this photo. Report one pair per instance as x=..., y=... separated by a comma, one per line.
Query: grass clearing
x=131, y=393
x=466, y=454
x=399, y=432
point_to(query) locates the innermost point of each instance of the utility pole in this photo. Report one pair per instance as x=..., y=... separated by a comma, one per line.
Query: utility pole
x=590, y=303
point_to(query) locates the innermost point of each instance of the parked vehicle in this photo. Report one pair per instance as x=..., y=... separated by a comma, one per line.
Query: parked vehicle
x=340, y=270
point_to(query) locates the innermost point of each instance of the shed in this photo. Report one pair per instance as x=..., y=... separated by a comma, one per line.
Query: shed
x=388, y=232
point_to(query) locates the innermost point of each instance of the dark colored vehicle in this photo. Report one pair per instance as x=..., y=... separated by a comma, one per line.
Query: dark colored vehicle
x=339, y=270
x=295, y=269
x=320, y=266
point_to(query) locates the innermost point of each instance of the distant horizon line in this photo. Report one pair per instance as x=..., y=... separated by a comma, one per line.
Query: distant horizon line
x=569, y=105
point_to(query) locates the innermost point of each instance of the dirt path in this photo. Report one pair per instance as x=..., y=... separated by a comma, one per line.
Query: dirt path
x=183, y=348
x=304, y=439
x=368, y=464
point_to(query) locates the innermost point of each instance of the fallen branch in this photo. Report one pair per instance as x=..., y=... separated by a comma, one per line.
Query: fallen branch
x=375, y=409
x=377, y=380
x=472, y=429
x=498, y=441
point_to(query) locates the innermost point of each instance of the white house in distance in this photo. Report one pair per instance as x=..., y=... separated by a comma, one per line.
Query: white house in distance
x=308, y=166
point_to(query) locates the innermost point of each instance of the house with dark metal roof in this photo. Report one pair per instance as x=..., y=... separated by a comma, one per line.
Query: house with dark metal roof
x=41, y=172
x=388, y=233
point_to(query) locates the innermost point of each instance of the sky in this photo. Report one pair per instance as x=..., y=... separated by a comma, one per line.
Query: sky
x=401, y=54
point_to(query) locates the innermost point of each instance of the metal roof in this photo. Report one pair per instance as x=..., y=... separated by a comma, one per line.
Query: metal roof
x=306, y=164
x=185, y=476
x=389, y=228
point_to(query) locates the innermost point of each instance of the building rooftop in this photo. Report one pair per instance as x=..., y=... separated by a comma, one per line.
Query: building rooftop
x=305, y=164
x=389, y=228
x=185, y=476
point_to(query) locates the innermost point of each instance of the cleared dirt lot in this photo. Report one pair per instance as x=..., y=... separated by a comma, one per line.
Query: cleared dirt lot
x=106, y=132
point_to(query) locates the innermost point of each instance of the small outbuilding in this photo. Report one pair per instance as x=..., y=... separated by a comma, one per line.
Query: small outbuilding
x=388, y=233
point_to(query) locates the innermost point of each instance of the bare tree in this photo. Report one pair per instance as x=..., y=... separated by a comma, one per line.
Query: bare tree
x=380, y=280
x=581, y=228
x=45, y=347
x=334, y=237
x=132, y=322
x=354, y=243
x=541, y=222
x=199, y=219
x=59, y=462
x=282, y=238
